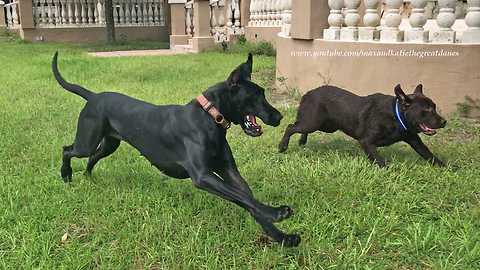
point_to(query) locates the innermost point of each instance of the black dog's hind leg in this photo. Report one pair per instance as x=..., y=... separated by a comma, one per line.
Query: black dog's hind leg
x=89, y=134
x=416, y=143
x=372, y=154
x=107, y=146
x=297, y=127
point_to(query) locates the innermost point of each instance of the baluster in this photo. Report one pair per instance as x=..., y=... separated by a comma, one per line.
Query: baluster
x=279, y=8
x=134, y=13
x=150, y=12
x=445, y=20
x=287, y=17
x=335, y=19
x=128, y=13
x=252, y=13
x=9, y=17
x=139, y=13
x=70, y=12
x=472, y=34
x=272, y=13
x=78, y=18
x=121, y=12
x=352, y=19
x=58, y=19
x=393, y=20
x=96, y=12
x=188, y=22
x=371, y=21
x=213, y=21
x=162, y=13
x=417, y=20
x=221, y=21
x=229, y=17
x=154, y=10
x=90, y=18
x=50, y=15
x=43, y=15
x=102, y=18
x=258, y=12
x=236, y=17
x=264, y=13
x=115, y=12
x=64, y=13
x=145, y=12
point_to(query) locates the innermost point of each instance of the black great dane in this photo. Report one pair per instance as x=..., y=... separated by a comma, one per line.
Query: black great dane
x=182, y=141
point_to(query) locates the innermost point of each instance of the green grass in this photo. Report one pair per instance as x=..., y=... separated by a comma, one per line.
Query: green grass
x=351, y=215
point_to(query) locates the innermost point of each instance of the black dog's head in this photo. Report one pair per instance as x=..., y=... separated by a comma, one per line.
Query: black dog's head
x=419, y=111
x=247, y=100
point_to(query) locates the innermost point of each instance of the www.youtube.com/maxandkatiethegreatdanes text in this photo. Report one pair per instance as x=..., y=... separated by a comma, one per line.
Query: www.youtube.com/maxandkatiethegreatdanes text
x=361, y=53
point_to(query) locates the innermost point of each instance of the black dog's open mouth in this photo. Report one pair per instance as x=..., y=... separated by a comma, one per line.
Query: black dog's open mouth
x=250, y=126
x=427, y=130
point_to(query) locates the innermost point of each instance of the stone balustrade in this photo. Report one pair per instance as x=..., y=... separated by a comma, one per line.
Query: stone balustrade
x=268, y=12
x=11, y=14
x=91, y=13
x=345, y=21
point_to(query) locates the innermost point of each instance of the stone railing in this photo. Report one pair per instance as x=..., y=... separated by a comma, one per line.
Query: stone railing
x=218, y=28
x=224, y=19
x=264, y=13
x=11, y=14
x=91, y=13
x=346, y=26
x=189, y=27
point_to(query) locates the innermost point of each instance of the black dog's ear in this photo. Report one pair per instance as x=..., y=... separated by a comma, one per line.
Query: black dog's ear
x=401, y=95
x=418, y=90
x=249, y=62
x=233, y=78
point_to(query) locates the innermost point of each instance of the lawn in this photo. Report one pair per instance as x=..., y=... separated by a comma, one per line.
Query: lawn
x=350, y=214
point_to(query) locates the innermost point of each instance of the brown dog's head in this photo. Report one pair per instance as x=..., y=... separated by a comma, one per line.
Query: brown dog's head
x=418, y=111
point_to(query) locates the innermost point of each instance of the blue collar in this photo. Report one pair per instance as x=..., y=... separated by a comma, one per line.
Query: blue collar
x=399, y=117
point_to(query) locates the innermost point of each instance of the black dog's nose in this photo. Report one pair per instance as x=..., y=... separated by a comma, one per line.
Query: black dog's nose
x=443, y=122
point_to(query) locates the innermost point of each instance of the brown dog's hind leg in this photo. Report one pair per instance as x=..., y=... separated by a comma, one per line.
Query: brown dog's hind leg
x=297, y=127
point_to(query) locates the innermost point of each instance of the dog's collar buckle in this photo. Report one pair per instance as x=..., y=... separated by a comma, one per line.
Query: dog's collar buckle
x=217, y=116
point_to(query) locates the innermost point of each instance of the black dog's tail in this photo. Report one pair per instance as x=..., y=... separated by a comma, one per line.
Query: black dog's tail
x=86, y=94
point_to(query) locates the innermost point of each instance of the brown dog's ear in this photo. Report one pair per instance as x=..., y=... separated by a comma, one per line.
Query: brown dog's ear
x=418, y=90
x=404, y=99
x=233, y=78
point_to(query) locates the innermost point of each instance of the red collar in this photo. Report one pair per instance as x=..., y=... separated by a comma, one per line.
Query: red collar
x=217, y=116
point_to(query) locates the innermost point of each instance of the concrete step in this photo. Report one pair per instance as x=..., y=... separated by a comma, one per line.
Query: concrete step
x=184, y=48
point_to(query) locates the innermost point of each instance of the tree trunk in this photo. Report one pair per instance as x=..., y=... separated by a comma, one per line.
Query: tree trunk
x=109, y=21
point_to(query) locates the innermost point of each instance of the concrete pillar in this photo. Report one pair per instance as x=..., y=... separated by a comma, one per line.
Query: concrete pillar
x=244, y=12
x=25, y=13
x=2, y=16
x=177, y=16
x=309, y=19
x=201, y=21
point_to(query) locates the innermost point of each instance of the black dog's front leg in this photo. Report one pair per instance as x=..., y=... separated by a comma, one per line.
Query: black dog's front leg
x=373, y=155
x=416, y=143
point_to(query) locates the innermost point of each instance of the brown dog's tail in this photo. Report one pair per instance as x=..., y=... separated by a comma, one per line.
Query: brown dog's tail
x=86, y=94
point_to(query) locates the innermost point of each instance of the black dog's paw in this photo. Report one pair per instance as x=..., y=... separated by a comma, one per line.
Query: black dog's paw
x=291, y=240
x=283, y=212
x=66, y=174
x=282, y=147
